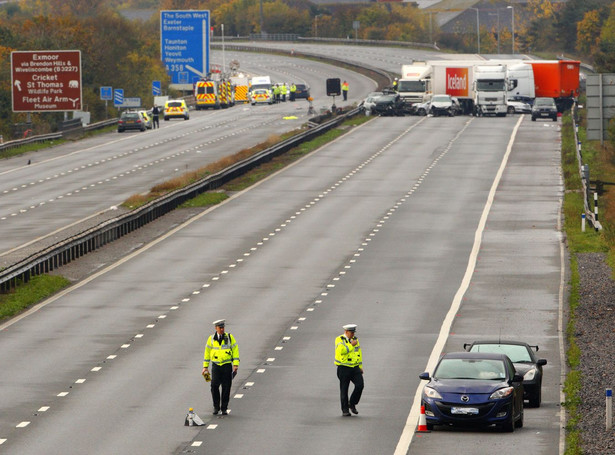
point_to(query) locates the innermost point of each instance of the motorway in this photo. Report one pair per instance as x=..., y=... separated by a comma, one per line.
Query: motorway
x=69, y=184
x=426, y=232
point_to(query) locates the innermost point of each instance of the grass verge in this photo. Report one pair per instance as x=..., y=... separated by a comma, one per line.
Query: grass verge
x=27, y=294
x=578, y=242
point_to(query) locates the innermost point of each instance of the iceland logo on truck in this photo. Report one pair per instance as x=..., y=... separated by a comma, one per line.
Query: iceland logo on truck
x=457, y=81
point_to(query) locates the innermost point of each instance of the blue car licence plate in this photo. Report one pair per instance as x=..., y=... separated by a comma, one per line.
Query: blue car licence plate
x=464, y=411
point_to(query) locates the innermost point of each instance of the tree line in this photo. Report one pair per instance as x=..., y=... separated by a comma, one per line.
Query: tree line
x=125, y=53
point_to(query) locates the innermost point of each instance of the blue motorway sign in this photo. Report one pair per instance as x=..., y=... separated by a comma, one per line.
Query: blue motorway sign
x=184, y=44
x=106, y=93
x=156, y=88
x=118, y=96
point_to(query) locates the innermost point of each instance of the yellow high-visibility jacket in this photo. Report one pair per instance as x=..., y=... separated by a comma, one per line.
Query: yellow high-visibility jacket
x=346, y=354
x=221, y=353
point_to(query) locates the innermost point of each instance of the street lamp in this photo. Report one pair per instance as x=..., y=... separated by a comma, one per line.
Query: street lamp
x=477, y=29
x=513, y=27
x=223, y=62
x=316, y=25
x=498, y=27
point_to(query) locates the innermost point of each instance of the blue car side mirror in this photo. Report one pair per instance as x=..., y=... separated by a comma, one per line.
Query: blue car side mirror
x=424, y=376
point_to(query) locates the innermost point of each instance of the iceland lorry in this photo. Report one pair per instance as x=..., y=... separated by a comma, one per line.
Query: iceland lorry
x=454, y=78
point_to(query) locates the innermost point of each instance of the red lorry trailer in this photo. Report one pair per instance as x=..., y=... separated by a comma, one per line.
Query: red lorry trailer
x=558, y=79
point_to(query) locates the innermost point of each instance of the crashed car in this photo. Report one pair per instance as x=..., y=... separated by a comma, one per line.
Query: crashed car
x=518, y=107
x=388, y=105
x=442, y=105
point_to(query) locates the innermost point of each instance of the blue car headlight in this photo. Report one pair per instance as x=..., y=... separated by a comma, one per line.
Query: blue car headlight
x=529, y=375
x=431, y=393
x=501, y=393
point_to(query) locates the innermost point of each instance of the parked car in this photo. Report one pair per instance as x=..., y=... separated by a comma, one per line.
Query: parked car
x=176, y=109
x=544, y=108
x=518, y=107
x=388, y=105
x=442, y=105
x=475, y=389
x=147, y=118
x=130, y=120
x=303, y=91
x=525, y=360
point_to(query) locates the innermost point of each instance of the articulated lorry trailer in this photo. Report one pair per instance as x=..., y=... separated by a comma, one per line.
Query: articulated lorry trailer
x=454, y=78
x=557, y=79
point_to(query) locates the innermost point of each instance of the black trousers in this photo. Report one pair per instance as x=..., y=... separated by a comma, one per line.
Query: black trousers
x=156, y=122
x=345, y=93
x=346, y=375
x=221, y=376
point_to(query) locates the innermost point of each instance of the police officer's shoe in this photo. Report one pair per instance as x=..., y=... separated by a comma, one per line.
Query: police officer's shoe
x=353, y=408
x=346, y=414
x=225, y=412
x=216, y=411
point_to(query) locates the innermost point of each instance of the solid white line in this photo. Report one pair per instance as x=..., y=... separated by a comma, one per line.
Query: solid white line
x=411, y=422
x=560, y=324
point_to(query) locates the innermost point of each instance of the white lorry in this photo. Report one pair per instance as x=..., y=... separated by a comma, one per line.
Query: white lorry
x=490, y=90
x=521, y=82
x=414, y=86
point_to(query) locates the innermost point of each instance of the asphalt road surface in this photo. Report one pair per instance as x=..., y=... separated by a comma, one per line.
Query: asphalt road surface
x=426, y=232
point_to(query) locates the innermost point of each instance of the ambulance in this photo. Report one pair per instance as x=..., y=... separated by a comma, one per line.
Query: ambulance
x=207, y=94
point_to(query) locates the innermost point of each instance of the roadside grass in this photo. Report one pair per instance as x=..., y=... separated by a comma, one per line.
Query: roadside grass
x=27, y=294
x=601, y=168
x=22, y=149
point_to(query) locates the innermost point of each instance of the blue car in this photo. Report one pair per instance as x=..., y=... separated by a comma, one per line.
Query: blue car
x=474, y=389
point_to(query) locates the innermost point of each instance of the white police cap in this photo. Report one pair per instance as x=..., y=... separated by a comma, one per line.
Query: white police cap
x=219, y=322
x=350, y=327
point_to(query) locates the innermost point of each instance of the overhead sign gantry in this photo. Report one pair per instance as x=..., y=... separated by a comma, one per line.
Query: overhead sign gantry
x=184, y=46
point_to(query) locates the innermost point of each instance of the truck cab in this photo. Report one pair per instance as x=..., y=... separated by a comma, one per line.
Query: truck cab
x=414, y=86
x=490, y=90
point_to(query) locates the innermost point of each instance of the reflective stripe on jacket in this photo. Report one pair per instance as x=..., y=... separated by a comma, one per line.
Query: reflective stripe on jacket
x=221, y=353
x=346, y=354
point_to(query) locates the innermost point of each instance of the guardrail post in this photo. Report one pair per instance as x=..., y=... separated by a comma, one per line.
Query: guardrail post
x=609, y=408
x=582, y=222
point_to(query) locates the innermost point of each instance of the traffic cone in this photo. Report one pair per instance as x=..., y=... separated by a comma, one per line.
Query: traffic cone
x=192, y=419
x=188, y=421
x=422, y=427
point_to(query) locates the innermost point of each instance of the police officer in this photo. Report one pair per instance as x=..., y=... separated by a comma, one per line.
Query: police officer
x=349, y=368
x=345, y=90
x=293, y=89
x=283, y=91
x=155, y=114
x=222, y=351
x=276, y=93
